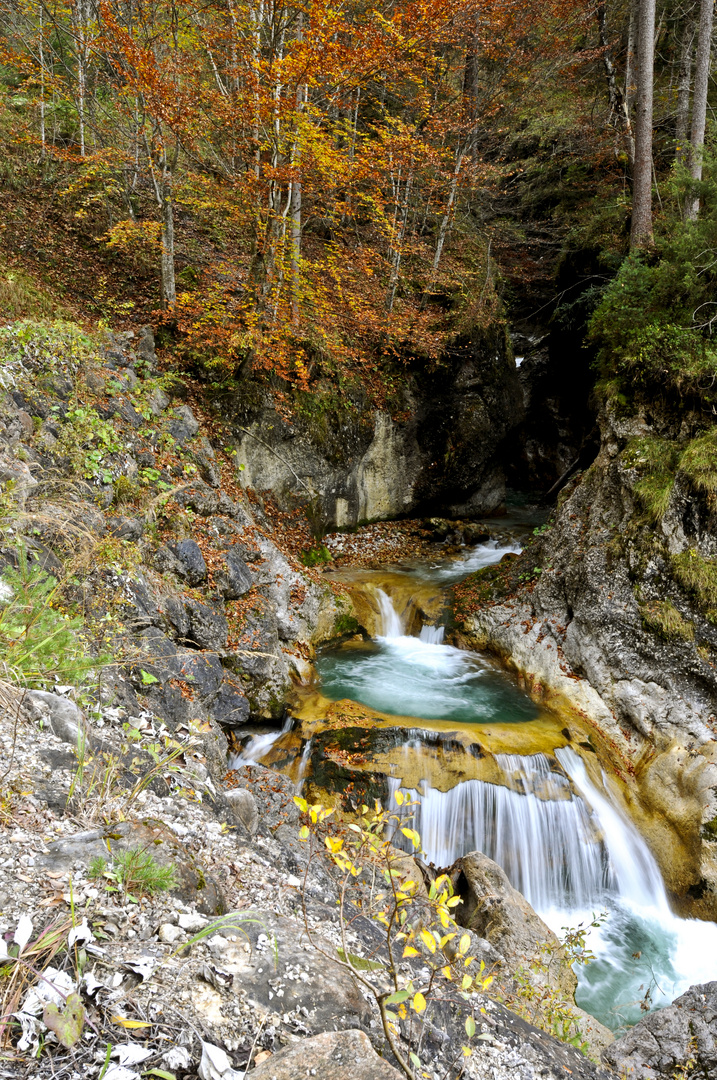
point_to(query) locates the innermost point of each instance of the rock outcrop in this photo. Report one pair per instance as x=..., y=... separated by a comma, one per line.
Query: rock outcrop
x=360, y=464
x=680, y=1040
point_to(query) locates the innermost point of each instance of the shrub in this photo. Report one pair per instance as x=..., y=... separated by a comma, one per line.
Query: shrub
x=135, y=871
x=39, y=643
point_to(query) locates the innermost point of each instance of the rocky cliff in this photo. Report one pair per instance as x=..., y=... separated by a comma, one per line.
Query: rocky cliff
x=434, y=450
x=609, y=614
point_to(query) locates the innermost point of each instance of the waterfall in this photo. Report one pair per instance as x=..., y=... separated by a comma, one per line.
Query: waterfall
x=636, y=876
x=544, y=836
x=391, y=623
x=432, y=635
x=259, y=745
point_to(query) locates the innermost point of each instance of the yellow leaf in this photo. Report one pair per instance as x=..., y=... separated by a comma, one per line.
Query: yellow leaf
x=301, y=803
x=466, y=982
x=464, y=944
x=399, y=798
x=428, y=940
x=446, y=971
x=410, y=951
x=124, y=1022
x=487, y=982
x=334, y=844
x=304, y=832
x=419, y=1002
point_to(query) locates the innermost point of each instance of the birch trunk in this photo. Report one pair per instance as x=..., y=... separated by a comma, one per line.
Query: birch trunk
x=618, y=108
x=699, y=104
x=641, y=230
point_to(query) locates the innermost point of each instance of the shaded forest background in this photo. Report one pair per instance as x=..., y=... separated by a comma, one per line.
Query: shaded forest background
x=322, y=193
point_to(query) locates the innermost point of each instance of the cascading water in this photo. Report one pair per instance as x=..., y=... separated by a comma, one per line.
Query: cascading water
x=561, y=838
x=260, y=745
x=568, y=848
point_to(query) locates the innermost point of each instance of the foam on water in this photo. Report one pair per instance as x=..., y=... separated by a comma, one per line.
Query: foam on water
x=573, y=853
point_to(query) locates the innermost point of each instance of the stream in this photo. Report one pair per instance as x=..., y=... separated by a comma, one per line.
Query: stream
x=547, y=812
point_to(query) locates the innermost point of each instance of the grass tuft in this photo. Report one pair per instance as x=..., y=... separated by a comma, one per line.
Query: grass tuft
x=699, y=577
x=663, y=617
x=699, y=461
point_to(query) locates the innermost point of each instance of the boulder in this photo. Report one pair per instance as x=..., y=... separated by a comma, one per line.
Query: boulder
x=680, y=1040
x=500, y=914
x=333, y=1055
x=191, y=561
x=234, y=577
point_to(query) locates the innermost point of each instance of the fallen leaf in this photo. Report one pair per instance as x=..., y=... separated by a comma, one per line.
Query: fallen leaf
x=131, y=1053
x=68, y=1022
x=23, y=932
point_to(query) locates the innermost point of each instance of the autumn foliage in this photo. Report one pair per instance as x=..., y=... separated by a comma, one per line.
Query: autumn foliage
x=331, y=153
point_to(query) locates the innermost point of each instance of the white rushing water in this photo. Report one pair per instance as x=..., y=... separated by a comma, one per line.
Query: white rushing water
x=573, y=853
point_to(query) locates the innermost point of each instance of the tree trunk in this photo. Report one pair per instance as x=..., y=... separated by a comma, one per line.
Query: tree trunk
x=699, y=104
x=631, y=60
x=397, y=246
x=684, y=84
x=641, y=230
x=169, y=288
x=618, y=109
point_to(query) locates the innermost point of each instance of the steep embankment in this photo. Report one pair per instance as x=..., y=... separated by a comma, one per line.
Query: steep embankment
x=609, y=613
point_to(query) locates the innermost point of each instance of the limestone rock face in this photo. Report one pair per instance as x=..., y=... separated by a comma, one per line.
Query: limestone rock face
x=682, y=1036
x=581, y=640
x=334, y=1055
x=364, y=464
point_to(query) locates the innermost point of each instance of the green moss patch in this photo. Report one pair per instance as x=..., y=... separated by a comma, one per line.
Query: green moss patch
x=699, y=577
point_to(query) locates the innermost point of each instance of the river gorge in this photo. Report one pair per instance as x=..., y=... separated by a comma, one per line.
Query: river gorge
x=492, y=771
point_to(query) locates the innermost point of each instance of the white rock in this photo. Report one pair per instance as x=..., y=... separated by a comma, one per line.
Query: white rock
x=168, y=934
x=192, y=922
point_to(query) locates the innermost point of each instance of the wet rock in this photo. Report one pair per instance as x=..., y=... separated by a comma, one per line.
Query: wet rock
x=682, y=1036
x=183, y=425
x=234, y=577
x=333, y=1055
x=191, y=561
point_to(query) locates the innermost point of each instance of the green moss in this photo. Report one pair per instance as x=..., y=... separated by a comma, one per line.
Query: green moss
x=709, y=830
x=656, y=460
x=346, y=624
x=663, y=617
x=699, y=461
x=316, y=556
x=699, y=577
